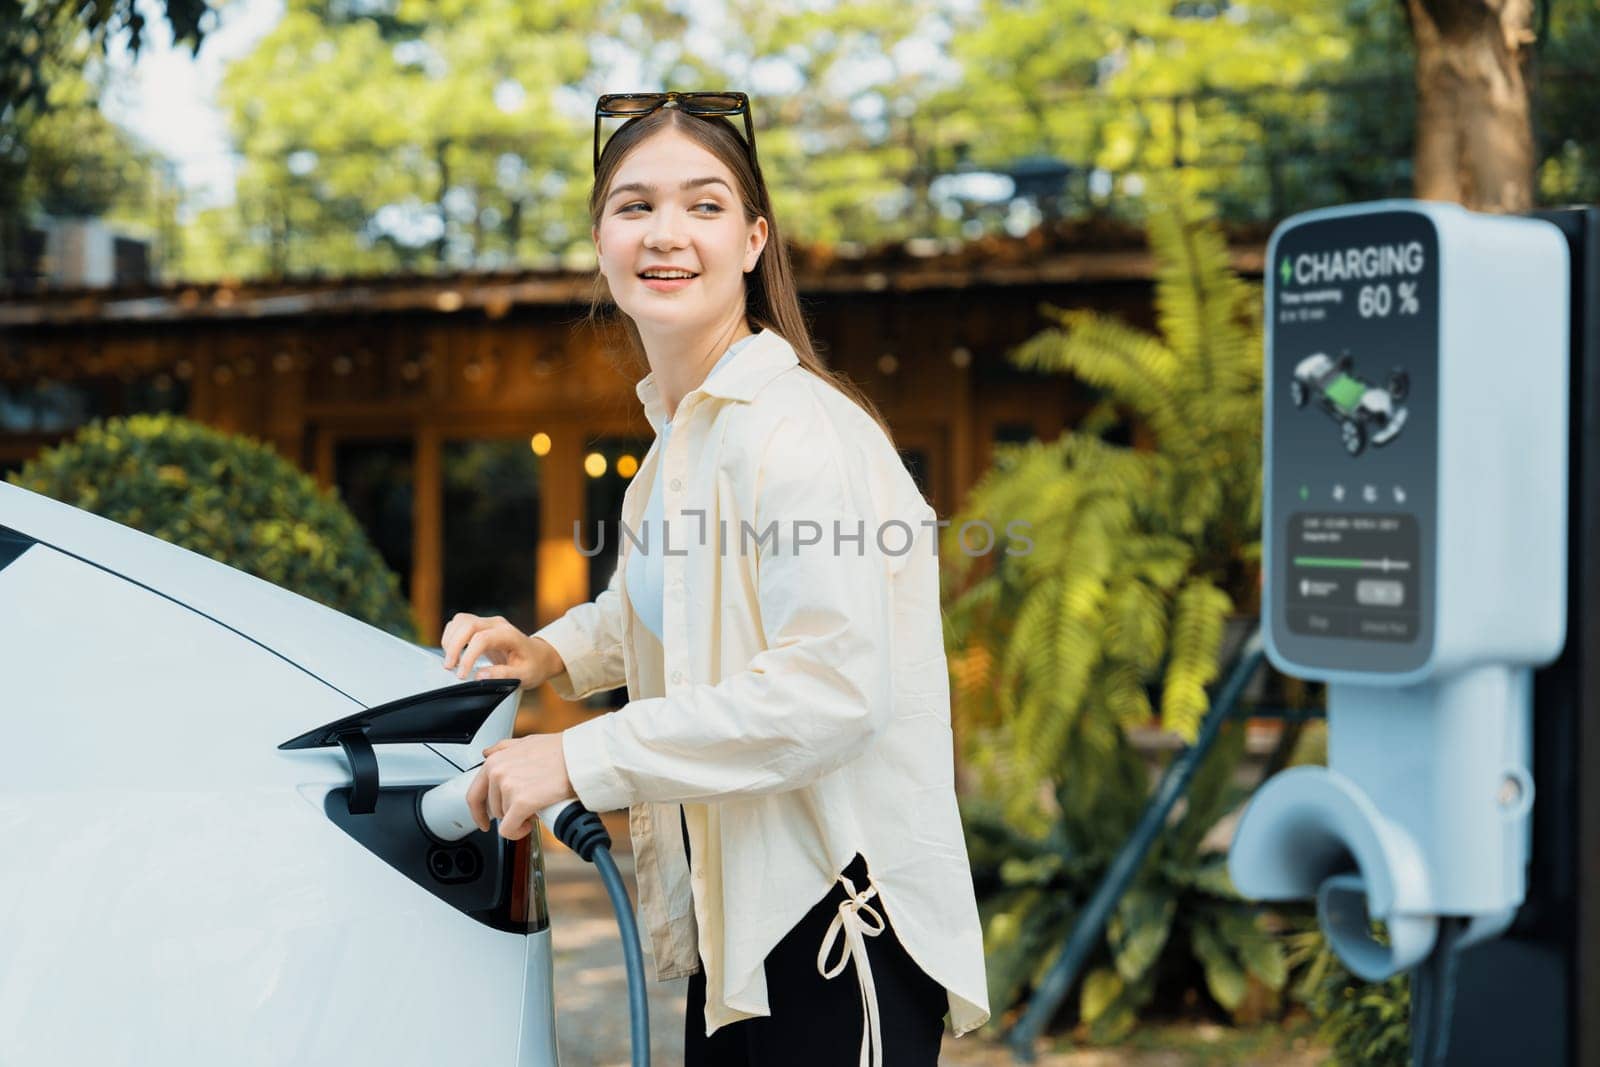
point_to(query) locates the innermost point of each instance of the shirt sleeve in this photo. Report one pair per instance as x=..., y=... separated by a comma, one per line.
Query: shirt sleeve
x=589, y=640
x=811, y=701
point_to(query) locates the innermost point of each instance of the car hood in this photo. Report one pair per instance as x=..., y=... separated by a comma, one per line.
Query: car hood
x=364, y=663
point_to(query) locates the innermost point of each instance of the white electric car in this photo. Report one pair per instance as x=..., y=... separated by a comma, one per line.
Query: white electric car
x=208, y=806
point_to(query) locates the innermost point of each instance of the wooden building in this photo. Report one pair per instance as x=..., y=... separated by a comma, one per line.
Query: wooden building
x=461, y=416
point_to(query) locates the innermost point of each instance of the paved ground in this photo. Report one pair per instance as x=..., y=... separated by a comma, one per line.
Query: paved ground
x=591, y=984
x=592, y=1005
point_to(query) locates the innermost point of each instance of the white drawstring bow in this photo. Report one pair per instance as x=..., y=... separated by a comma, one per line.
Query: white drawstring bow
x=850, y=921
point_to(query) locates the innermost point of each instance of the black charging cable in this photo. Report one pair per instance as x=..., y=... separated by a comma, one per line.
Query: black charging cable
x=1433, y=993
x=582, y=831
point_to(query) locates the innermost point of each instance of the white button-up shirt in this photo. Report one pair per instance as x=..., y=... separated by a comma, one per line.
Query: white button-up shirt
x=798, y=707
x=643, y=575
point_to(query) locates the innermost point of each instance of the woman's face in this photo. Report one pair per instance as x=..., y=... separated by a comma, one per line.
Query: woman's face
x=672, y=204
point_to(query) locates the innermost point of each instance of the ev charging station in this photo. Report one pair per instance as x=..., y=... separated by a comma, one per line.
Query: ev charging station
x=1430, y=544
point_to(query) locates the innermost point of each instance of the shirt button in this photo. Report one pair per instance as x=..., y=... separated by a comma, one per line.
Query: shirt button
x=677, y=677
x=677, y=483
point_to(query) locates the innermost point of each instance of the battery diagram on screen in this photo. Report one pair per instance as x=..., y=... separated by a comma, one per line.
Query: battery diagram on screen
x=1367, y=414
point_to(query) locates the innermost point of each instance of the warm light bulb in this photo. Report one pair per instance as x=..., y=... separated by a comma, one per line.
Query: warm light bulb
x=627, y=466
x=540, y=444
x=594, y=464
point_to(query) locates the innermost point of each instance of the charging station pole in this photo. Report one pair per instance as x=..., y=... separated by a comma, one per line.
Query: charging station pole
x=1532, y=995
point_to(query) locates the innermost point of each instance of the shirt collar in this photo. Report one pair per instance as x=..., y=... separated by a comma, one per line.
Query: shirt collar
x=765, y=356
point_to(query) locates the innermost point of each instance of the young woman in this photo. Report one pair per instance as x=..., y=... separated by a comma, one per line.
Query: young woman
x=786, y=754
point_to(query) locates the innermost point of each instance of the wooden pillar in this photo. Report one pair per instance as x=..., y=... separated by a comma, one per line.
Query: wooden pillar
x=283, y=378
x=427, y=561
x=323, y=460
x=202, y=390
x=963, y=446
x=563, y=570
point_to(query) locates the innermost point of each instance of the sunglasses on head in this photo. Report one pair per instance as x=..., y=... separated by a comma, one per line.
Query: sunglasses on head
x=635, y=105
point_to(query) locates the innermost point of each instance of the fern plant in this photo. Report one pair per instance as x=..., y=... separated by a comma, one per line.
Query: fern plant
x=1181, y=925
x=1138, y=552
x=1364, y=1024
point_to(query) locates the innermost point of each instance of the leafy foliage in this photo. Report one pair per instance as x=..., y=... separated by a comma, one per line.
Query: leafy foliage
x=35, y=33
x=1365, y=1024
x=408, y=135
x=1567, y=105
x=1180, y=922
x=845, y=143
x=1229, y=91
x=405, y=135
x=411, y=134
x=79, y=164
x=1138, y=554
x=59, y=153
x=228, y=498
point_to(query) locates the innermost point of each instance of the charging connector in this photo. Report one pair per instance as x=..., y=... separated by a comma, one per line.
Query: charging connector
x=444, y=814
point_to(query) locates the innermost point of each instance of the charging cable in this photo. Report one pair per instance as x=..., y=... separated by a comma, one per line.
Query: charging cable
x=445, y=814
x=1433, y=990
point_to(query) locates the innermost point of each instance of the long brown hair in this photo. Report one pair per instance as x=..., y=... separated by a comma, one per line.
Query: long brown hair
x=771, y=300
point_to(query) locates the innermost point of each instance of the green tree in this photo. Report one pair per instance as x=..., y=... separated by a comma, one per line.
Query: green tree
x=80, y=164
x=41, y=38
x=1139, y=87
x=840, y=92
x=1474, y=118
x=1567, y=97
x=419, y=134
x=1286, y=104
x=459, y=133
x=59, y=154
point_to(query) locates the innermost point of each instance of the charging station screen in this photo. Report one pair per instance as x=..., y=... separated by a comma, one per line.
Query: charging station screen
x=1353, y=386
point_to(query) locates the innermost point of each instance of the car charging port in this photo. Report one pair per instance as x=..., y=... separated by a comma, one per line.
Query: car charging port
x=459, y=864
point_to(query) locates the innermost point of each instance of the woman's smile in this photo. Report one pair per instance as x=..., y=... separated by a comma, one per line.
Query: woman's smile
x=666, y=285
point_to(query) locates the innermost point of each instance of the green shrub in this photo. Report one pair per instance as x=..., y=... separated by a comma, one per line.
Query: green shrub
x=1365, y=1024
x=228, y=498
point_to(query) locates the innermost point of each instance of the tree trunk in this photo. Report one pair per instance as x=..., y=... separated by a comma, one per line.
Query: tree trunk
x=1474, y=131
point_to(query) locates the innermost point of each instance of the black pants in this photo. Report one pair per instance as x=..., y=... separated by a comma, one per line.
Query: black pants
x=817, y=1021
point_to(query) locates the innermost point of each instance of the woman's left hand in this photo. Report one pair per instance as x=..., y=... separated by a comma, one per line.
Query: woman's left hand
x=520, y=776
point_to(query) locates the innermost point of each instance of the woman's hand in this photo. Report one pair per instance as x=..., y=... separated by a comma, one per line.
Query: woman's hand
x=530, y=660
x=520, y=777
